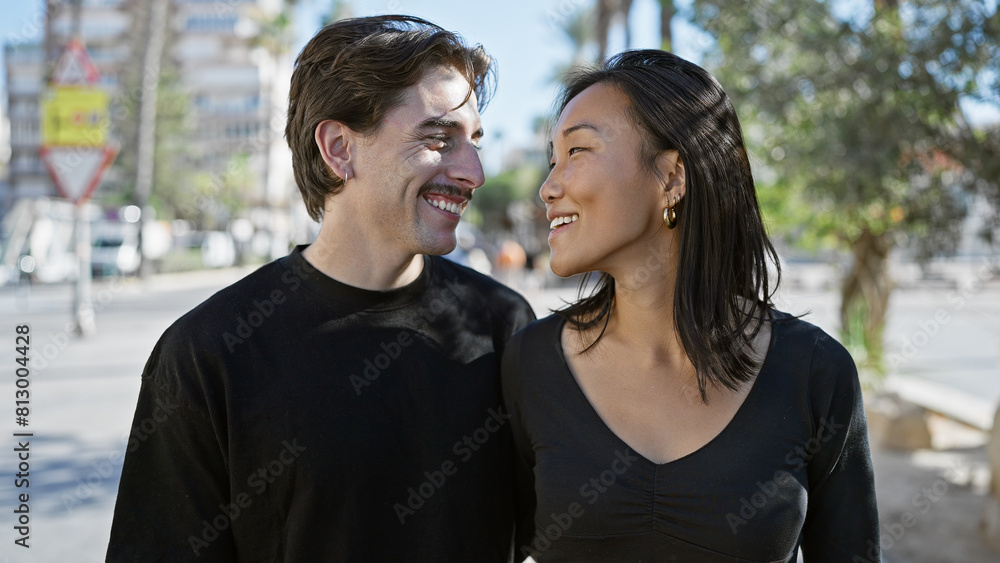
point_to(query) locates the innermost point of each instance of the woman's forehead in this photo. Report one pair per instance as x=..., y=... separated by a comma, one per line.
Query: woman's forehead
x=600, y=109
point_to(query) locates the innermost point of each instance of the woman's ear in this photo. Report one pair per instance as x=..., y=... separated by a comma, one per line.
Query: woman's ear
x=336, y=143
x=671, y=169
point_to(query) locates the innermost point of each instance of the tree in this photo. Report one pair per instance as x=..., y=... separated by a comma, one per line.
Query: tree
x=858, y=114
x=170, y=125
x=607, y=11
x=275, y=30
x=218, y=198
x=491, y=202
x=339, y=10
x=667, y=13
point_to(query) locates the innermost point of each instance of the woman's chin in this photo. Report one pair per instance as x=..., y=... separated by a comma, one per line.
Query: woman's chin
x=563, y=270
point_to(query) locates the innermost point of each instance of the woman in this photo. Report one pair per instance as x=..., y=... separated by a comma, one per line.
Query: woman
x=674, y=414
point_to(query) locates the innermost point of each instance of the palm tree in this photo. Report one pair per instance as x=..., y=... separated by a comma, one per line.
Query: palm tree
x=667, y=11
x=607, y=12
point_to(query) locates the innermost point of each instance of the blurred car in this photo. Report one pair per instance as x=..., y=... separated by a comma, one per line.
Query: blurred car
x=114, y=249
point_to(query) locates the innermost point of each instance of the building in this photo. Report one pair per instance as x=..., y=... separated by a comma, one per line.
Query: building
x=26, y=177
x=4, y=152
x=238, y=88
x=236, y=91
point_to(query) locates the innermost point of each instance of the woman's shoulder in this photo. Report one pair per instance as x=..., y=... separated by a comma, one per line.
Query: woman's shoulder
x=822, y=366
x=535, y=348
x=796, y=337
x=539, y=330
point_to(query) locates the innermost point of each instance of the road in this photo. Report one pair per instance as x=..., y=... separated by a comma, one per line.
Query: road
x=83, y=391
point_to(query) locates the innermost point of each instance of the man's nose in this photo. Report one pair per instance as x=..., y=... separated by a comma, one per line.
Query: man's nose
x=466, y=169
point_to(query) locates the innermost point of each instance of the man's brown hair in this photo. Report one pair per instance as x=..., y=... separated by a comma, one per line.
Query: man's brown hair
x=355, y=71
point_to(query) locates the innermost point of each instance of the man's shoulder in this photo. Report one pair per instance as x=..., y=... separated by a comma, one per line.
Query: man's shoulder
x=205, y=324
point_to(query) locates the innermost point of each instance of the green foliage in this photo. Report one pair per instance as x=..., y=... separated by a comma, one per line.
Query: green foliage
x=339, y=10
x=171, y=194
x=855, y=113
x=218, y=196
x=667, y=12
x=172, y=154
x=275, y=32
x=491, y=200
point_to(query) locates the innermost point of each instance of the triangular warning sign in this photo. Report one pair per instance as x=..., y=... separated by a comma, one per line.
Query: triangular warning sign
x=77, y=170
x=75, y=67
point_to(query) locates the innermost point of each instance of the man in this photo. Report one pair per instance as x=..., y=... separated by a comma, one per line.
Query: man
x=343, y=403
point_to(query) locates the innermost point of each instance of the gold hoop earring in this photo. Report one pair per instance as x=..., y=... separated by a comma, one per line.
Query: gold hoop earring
x=670, y=216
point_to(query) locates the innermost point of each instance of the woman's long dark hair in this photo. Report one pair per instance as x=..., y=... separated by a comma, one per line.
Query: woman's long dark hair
x=723, y=291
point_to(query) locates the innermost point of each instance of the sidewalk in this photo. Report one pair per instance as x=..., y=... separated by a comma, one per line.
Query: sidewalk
x=83, y=395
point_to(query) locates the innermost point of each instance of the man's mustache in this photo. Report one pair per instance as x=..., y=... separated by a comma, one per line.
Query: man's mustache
x=445, y=189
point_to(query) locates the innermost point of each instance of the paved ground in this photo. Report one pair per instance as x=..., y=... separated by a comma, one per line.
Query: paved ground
x=83, y=395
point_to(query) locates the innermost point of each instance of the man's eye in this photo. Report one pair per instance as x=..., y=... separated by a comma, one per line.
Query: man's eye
x=576, y=149
x=438, y=142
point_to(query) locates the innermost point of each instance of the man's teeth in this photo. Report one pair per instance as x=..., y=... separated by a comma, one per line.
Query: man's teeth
x=446, y=205
x=563, y=220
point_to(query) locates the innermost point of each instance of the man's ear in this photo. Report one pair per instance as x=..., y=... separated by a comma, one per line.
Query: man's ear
x=671, y=168
x=336, y=144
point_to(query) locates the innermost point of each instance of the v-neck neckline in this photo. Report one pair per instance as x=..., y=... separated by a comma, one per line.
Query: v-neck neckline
x=581, y=395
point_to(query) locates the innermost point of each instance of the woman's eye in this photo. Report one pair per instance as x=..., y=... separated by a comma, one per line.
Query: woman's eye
x=575, y=150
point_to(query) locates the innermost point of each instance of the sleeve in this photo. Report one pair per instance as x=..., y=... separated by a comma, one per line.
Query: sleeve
x=842, y=518
x=524, y=455
x=175, y=480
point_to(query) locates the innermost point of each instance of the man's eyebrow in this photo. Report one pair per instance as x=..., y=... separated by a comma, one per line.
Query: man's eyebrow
x=438, y=122
x=566, y=132
x=445, y=124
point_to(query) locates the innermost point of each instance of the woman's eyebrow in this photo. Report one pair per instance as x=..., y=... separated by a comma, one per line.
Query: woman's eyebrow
x=566, y=132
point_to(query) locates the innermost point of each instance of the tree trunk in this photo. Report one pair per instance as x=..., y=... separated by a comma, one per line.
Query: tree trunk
x=667, y=11
x=626, y=9
x=605, y=12
x=865, y=300
x=146, y=147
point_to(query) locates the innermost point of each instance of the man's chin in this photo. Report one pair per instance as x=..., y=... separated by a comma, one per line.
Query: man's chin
x=441, y=247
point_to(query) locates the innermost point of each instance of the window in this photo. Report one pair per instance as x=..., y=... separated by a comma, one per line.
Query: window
x=210, y=23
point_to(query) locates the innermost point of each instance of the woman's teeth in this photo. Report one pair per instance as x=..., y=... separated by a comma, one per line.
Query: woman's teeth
x=558, y=221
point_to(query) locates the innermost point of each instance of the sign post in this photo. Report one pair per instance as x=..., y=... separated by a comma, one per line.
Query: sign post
x=77, y=153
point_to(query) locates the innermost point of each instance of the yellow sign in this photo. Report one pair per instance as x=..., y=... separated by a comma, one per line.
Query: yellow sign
x=76, y=117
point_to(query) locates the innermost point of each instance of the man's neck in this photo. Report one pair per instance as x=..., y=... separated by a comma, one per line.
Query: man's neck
x=349, y=260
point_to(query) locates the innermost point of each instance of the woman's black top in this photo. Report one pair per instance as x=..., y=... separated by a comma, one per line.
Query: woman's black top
x=791, y=469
